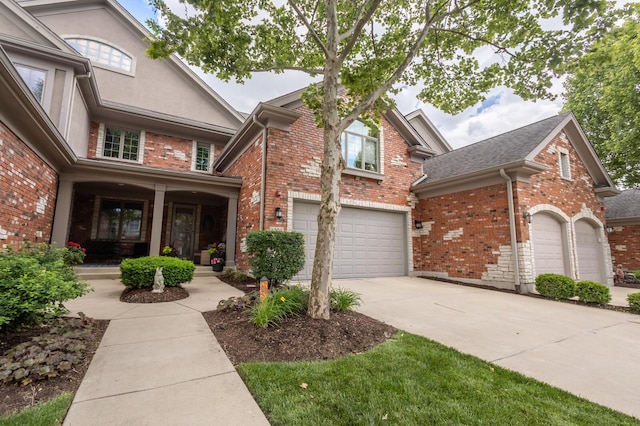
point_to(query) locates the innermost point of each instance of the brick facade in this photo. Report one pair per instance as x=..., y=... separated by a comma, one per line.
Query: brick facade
x=625, y=246
x=466, y=234
x=293, y=169
x=29, y=188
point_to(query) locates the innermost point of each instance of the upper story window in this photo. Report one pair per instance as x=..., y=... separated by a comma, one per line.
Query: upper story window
x=202, y=157
x=565, y=165
x=102, y=53
x=34, y=78
x=120, y=144
x=360, y=147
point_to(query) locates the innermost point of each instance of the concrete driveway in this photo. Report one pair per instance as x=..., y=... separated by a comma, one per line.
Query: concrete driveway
x=593, y=353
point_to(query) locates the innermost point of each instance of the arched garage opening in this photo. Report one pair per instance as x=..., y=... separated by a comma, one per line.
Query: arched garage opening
x=590, y=257
x=549, y=245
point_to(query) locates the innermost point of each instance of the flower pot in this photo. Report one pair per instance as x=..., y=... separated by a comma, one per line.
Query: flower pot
x=217, y=264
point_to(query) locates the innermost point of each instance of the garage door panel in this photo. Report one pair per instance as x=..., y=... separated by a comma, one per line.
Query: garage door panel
x=589, y=252
x=548, y=245
x=368, y=243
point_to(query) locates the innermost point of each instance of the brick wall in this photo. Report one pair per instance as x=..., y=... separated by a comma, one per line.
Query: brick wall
x=29, y=187
x=293, y=165
x=625, y=246
x=462, y=232
x=160, y=151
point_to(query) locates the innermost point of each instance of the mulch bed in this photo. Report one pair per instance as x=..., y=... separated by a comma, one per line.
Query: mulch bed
x=144, y=295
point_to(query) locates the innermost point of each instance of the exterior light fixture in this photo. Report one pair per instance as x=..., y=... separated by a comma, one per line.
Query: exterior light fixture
x=609, y=229
x=527, y=216
x=418, y=224
x=278, y=213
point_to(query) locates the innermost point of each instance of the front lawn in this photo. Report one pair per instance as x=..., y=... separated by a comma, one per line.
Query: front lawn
x=410, y=380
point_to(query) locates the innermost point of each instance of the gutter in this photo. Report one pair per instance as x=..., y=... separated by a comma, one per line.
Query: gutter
x=264, y=168
x=512, y=229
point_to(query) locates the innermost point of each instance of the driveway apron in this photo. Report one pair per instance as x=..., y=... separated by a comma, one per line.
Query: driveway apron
x=590, y=352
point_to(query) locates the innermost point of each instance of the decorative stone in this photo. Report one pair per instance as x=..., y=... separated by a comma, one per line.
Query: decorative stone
x=158, y=282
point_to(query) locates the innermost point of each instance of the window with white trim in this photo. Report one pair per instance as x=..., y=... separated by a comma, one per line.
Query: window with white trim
x=565, y=165
x=34, y=79
x=120, y=144
x=102, y=53
x=202, y=157
x=360, y=147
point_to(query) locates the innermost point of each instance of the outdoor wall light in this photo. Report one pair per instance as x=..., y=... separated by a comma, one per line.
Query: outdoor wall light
x=609, y=229
x=527, y=216
x=418, y=224
x=278, y=213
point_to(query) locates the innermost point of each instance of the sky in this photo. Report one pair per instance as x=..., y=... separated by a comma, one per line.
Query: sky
x=501, y=112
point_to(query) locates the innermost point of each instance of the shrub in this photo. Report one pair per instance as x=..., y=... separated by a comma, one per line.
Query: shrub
x=555, y=286
x=34, y=281
x=139, y=273
x=344, y=300
x=636, y=274
x=634, y=302
x=276, y=255
x=593, y=292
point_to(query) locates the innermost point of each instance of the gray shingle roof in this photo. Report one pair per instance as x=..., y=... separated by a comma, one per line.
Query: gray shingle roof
x=624, y=205
x=498, y=150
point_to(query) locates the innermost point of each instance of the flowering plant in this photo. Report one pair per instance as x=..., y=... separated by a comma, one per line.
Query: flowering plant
x=74, y=254
x=218, y=250
x=169, y=251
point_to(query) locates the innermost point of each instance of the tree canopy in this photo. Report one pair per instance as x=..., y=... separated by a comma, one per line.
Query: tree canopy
x=603, y=91
x=455, y=50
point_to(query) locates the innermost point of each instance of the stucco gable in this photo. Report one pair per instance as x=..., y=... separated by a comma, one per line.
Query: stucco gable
x=166, y=86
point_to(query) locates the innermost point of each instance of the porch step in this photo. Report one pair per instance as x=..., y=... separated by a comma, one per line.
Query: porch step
x=88, y=272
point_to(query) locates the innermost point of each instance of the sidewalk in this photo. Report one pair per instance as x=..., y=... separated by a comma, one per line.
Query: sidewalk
x=159, y=364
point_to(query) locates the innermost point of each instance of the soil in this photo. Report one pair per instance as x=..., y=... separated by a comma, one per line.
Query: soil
x=298, y=338
x=14, y=397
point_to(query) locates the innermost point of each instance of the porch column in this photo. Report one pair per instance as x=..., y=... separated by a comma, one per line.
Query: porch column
x=156, y=223
x=232, y=223
x=62, y=215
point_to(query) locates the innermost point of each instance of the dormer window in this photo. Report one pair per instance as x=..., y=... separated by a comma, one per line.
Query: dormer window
x=360, y=148
x=101, y=53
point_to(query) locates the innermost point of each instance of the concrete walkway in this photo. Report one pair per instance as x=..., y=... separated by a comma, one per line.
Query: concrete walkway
x=159, y=364
x=593, y=353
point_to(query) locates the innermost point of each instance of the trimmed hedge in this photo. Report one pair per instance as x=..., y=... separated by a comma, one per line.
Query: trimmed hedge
x=34, y=281
x=593, y=292
x=555, y=286
x=276, y=255
x=139, y=273
x=634, y=302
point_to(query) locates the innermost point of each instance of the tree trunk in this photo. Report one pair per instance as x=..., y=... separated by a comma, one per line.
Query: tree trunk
x=332, y=165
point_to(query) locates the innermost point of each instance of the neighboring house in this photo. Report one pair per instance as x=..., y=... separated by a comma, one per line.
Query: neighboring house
x=623, y=220
x=504, y=210
x=123, y=154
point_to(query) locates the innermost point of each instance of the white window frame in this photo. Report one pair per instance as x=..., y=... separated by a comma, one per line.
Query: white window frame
x=131, y=72
x=194, y=157
x=44, y=80
x=379, y=174
x=50, y=69
x=102, y=131
x=565, y=172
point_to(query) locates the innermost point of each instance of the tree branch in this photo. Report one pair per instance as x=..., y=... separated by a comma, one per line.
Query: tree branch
x=310, y=71
x=313, y=33
x=355, y=32
x=499, y=49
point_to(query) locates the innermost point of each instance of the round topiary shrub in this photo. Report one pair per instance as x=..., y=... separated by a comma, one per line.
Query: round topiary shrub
x=139, y=273
x=634, y=302
x=555, y=286
x=593, y=292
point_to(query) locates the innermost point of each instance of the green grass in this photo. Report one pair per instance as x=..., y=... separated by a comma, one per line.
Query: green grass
x=48, y=413
x=411, y=380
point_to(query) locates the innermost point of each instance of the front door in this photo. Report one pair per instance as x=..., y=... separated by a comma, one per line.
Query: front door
x=182, y=231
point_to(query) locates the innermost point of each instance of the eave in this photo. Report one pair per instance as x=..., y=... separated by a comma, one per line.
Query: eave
x=520, y=170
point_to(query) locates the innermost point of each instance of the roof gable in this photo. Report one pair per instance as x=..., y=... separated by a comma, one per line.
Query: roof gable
x=430, y=133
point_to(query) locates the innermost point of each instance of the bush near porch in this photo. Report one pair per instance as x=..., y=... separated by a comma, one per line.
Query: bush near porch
x=139, y=273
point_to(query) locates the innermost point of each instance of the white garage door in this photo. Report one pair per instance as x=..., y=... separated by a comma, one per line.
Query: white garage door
x=369, y=243
x=589, y=250
x=548, y=247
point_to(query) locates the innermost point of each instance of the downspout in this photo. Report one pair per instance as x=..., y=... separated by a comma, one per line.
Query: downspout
x=512, y=229
x=264, y=169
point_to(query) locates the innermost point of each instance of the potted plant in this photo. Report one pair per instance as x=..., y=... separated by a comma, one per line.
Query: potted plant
x=217, y=255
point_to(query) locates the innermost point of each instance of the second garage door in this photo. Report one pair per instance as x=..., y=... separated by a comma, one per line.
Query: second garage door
x=369, y=243
x=589, y=251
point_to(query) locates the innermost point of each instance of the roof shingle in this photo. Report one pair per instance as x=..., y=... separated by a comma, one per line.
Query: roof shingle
x=624, y=205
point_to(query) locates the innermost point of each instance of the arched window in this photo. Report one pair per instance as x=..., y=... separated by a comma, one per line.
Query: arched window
x=102, y=53
x=360, y=147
